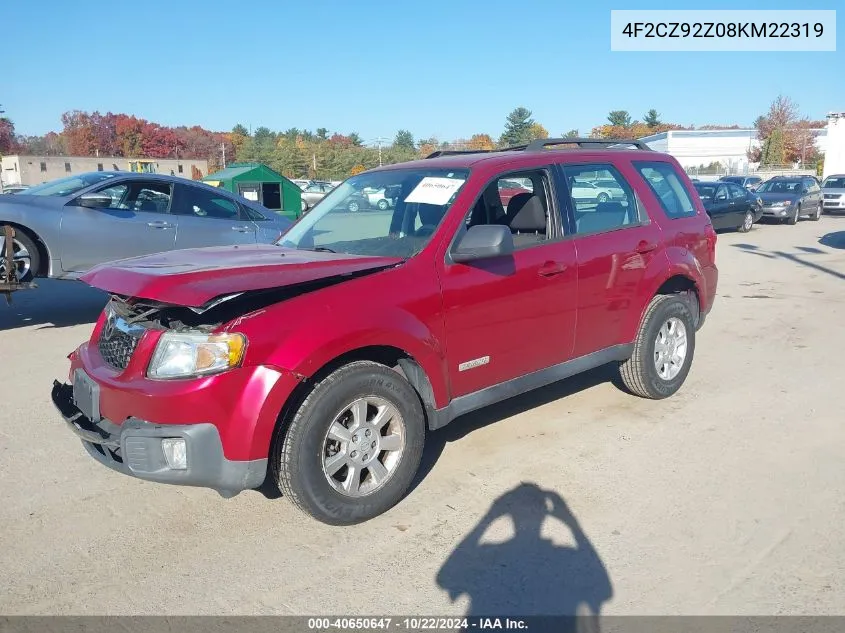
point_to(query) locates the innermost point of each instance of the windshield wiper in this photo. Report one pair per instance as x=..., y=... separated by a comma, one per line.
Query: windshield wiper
x=321, y=249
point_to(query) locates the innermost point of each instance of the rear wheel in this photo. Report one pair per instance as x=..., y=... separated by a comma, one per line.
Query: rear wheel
x=353, y=446
x=663, y=349
x=26, y=258
x=602, y=197
x=747, y=222
x=382, y=204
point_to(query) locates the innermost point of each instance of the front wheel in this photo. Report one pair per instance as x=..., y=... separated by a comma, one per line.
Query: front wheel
x=353, y=446
x=747, y=222
x=663, y=349
x=818, y=214
x=793, y=219
x=602, y=197
x=25, y=256
x=382, y=205
x=353, y=207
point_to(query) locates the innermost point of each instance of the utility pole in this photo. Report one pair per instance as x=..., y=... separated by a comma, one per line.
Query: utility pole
x=2, y=111
x=223, y=149
x=379, y=141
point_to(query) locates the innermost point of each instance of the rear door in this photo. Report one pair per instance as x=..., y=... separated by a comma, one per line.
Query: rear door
x=137, y=222
x=209, y=218
x=615, y=241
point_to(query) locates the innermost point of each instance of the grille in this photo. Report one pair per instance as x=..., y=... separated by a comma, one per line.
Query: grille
x=832, y=196
x=118, y=340
x=118, y=349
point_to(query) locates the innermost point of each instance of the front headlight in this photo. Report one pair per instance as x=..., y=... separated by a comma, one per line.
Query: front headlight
x=782, y=203
x=188, y=354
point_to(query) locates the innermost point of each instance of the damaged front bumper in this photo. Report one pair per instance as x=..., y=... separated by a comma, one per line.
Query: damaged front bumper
x=135, y=448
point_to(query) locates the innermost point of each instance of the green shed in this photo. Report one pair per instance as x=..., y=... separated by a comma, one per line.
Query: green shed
x=259, y=183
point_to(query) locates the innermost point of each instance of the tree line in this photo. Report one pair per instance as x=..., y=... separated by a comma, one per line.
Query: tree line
x=331, y=155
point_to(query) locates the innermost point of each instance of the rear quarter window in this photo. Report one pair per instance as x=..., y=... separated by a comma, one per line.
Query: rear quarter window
x=668, y=188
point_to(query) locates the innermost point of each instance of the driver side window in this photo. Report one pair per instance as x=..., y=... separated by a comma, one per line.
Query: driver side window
x=151, y=197
x=519, y=201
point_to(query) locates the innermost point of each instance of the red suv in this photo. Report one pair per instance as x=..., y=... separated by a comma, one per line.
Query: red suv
x=323, y=361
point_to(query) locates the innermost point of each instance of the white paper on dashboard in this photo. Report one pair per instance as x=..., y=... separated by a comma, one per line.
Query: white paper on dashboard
x=433, y=190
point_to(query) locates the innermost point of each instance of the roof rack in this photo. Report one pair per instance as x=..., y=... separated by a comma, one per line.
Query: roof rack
x=584, y=143
x=543, y=143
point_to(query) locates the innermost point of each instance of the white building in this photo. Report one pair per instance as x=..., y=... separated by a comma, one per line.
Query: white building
x=700, y=148
x=33, y=170
x=834, y=158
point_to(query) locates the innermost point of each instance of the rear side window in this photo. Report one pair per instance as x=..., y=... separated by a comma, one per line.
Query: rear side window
x=601, y=198
x=668, y=188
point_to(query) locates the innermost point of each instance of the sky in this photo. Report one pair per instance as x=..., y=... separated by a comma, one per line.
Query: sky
x=443, y=68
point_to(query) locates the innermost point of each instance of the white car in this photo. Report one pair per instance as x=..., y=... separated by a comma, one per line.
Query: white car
x=376, y=199
x=583, y=191
x=301, y=183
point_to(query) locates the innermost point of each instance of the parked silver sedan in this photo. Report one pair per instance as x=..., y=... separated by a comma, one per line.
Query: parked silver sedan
x=64, y=227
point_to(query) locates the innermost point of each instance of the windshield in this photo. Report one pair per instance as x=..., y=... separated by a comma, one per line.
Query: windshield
x=390, y=213
x=780, y=186
x=834, y=182
x=66, y=186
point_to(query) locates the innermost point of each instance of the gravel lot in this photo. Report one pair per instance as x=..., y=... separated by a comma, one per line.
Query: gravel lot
x=728, y=498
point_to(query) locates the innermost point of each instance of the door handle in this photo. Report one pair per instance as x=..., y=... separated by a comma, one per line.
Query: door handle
x=646, y=247
x=550, y=269
x=159, y=225
x=241, y=229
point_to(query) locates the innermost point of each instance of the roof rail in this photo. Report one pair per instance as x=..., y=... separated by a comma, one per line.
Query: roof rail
x=540, y=144
x=584, y=143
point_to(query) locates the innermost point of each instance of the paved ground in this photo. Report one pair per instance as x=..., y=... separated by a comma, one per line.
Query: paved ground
x=727, y=498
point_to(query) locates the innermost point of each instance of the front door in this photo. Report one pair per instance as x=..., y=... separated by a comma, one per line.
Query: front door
x=509, y=316
x=137, y=222
x=720, y=210
x=740, y=203
x=207, y=218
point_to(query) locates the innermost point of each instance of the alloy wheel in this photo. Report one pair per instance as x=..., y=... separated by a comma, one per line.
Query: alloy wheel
x=22, y=260
x=363, y=446
x=670, y=348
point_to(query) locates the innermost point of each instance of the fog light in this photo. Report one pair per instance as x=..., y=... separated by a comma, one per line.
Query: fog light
x=782, y=212
x=175, y=452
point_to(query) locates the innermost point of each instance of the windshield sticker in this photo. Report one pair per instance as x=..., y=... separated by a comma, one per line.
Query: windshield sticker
x=433, y=190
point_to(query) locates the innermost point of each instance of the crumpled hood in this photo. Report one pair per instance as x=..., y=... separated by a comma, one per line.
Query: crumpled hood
x=193, y=277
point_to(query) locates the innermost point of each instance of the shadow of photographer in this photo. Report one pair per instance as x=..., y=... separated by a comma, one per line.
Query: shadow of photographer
x=529, y=575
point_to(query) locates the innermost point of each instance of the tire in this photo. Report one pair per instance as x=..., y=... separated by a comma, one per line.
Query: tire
x=818, y=214
x=602, y=197
x=747, y=222
x=301, y=453
x=304, y=206
x=639, y=373
x=793, y=219
x=382, y=204
x=22, y=241
x=353, y=207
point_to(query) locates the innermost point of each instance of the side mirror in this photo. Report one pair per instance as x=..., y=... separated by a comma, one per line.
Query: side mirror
x=94, y=200
x=805, y=190
x=484, y=241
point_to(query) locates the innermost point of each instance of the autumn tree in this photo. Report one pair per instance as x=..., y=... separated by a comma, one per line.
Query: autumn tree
x=8, y=144
x=517, y=127
x=537, y=131
x=619, y=118
x=404, y=139
x=651, y=118
x=785, y=137
x=481, y=141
